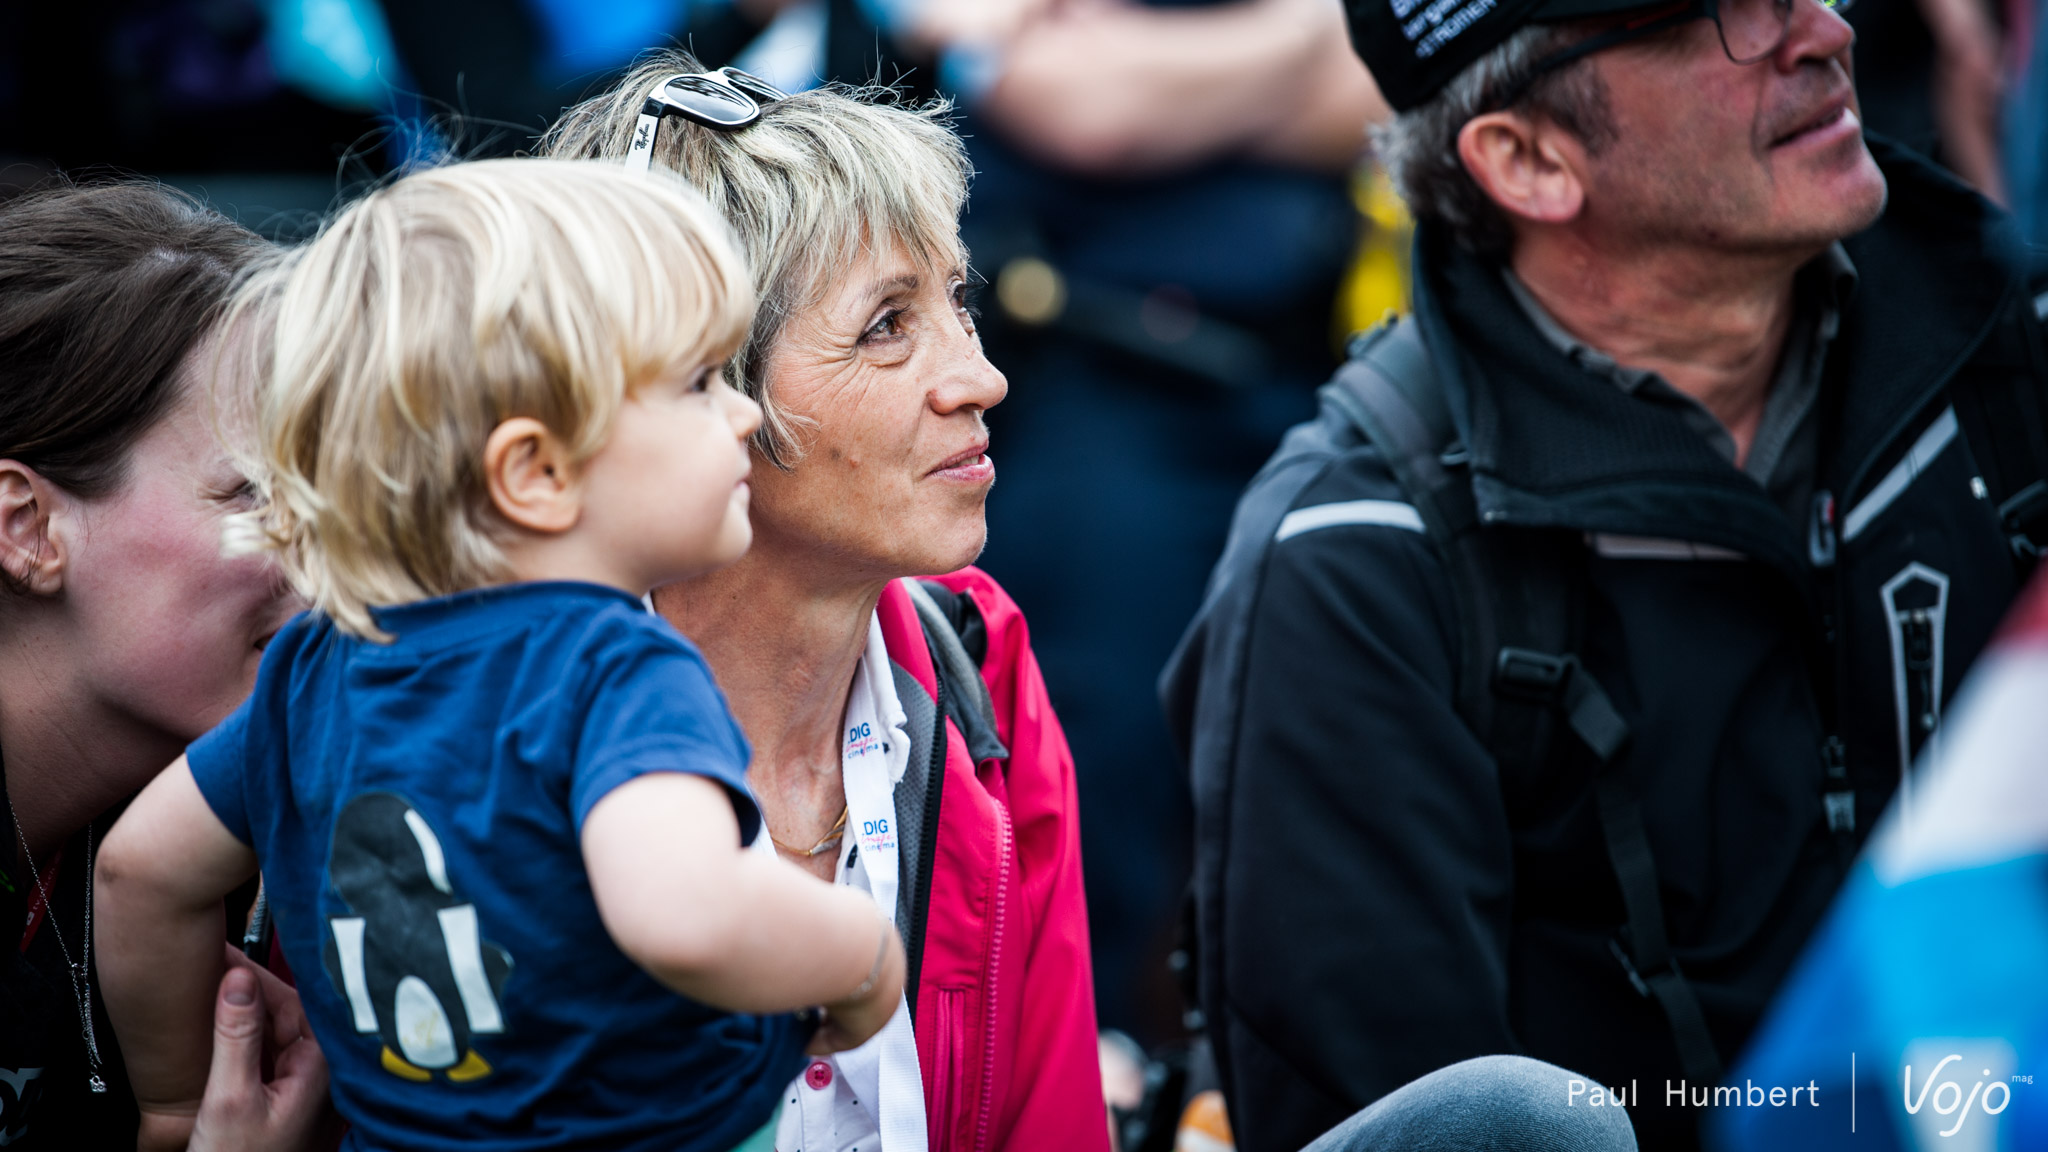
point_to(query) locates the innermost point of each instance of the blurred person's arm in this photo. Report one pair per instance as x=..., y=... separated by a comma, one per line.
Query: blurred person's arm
x=1968, y=88
x=1107, y=87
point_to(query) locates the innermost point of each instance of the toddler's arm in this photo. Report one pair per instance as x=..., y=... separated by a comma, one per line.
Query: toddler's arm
x=739, y=929
x=158, y=923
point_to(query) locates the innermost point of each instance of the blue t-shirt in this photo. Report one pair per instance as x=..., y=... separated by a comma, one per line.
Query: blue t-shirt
x=416, y=807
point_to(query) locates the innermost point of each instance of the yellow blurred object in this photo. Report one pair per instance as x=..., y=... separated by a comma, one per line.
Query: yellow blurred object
x=1377, y=281
x=1031, y=291
x=1204, y=1126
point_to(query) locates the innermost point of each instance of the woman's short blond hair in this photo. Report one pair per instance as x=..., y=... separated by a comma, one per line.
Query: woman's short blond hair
x=434, y=309
x=819, y=179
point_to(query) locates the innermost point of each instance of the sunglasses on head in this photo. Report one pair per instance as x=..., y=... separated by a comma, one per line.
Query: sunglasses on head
x=726, y=99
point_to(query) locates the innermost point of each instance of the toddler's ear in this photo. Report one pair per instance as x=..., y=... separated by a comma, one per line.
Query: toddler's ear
x=532, y=480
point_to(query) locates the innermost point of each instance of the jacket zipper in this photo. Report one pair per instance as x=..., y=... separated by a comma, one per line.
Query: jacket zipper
x=1838, y=795
x=995, y=954
x=1922, y=712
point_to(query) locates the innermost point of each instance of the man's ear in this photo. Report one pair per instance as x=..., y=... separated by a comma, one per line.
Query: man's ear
x=33, y=552
x=532, y=480
x=1531, y=168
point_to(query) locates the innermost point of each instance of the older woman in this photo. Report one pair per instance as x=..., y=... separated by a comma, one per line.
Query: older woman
x=124, y=634
x=903, y=740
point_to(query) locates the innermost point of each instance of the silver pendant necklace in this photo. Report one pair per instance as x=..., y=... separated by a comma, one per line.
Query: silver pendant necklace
x=80, y=969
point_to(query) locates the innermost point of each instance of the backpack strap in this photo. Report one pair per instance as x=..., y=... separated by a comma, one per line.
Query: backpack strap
x=957, y=639
x=1388, y=390
x=950, y=622
x=1520, y=597
x=918, y=797
x=2005, y=420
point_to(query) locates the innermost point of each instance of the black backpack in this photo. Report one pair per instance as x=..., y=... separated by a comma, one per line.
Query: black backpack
x=1520, y=595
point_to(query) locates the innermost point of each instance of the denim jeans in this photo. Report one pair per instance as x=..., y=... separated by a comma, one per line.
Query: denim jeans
x=1488, y=1104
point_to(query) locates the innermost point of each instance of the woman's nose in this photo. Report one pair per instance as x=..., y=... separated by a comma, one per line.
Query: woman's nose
x=969, y=380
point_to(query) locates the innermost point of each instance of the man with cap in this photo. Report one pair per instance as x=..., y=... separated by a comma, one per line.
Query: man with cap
x=1555, y=672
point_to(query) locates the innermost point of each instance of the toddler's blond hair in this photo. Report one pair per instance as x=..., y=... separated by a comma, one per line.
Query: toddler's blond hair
x=431, y=311
x=821, y=179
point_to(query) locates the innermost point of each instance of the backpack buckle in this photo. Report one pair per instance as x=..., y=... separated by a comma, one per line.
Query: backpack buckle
x=1556, y=682
x=1536, y=677
x=2022, y=514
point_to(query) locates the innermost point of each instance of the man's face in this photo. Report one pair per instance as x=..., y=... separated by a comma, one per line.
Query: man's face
x=1765, y=157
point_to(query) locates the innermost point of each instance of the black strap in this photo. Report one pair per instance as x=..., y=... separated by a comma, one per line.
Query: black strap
x=2004, y=417
x=957, y=639
x=1645, y=954
x=918, y=800
x=1388, y=391
x=1562, y=684
x=1519, y=597
x=947, y=626
x=1643, y=949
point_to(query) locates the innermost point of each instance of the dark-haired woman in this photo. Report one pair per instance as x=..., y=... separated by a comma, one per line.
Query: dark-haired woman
x=124, y=634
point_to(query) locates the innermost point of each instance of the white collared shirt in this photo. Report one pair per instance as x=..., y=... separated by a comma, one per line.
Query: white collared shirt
x=871, y=1097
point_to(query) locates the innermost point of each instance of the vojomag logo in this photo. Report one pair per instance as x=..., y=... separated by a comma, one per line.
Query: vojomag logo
x=1954, y=1090
x=1958, y=1105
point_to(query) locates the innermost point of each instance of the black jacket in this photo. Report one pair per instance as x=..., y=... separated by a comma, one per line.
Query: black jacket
x=1373, y=900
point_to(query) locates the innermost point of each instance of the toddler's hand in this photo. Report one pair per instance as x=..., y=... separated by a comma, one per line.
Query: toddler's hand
x=849, y=1023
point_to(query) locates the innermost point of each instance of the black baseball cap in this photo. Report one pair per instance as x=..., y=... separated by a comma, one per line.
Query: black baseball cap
x=1415, y=47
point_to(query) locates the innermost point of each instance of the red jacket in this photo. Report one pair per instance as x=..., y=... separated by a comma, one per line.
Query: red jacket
x=1005, y=999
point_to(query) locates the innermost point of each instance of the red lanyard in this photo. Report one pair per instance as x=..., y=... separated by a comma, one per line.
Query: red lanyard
x=36, y=905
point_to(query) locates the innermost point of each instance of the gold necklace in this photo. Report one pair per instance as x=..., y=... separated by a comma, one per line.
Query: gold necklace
x=833, y=836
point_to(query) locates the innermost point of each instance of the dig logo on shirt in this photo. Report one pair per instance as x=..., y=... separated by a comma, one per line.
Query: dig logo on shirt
x=860, y=740
x=876, y=837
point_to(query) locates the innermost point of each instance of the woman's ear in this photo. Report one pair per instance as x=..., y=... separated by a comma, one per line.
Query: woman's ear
x=532, y=480
x=1531, y=168
x=33, y=552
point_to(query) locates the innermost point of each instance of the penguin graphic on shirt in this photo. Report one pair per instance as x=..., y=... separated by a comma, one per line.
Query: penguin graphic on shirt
x=411, y=959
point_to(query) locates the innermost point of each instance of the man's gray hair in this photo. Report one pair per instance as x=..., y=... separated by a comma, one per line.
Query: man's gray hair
x=1420, y=147
x=820, y=179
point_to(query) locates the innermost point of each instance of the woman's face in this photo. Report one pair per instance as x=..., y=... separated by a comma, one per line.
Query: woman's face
x=895, y=473
x=170, y=632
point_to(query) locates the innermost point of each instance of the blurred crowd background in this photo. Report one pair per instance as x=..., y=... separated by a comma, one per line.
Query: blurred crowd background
x=1175, y=214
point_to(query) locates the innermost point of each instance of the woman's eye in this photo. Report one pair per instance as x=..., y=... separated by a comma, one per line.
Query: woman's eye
x=967, y=301
x=886, y=326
